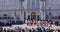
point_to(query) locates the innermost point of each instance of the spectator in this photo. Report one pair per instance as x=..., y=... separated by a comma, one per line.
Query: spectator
x=47, y=30
x=38, y=30
x=56, y=23
x=1, y=29
x=4, y=30
x=26, y=29
x=43, y=29
x=33, y=30
x=50, y=30
x=58, y=30
x=23, y=30
x=29, y=30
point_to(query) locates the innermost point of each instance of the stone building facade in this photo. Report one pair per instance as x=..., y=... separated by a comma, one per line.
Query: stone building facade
x=30, y=9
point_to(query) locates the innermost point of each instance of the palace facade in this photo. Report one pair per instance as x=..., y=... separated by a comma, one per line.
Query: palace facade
x=30, y=9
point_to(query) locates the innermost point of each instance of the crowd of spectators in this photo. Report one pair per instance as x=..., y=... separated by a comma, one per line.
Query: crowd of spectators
x=38, y=29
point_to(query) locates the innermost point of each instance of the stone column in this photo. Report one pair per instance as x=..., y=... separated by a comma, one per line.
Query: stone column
x=43, y=16
x=22, y=11
x=22, y=15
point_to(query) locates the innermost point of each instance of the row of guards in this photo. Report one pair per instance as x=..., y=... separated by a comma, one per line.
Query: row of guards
x=41, y=23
